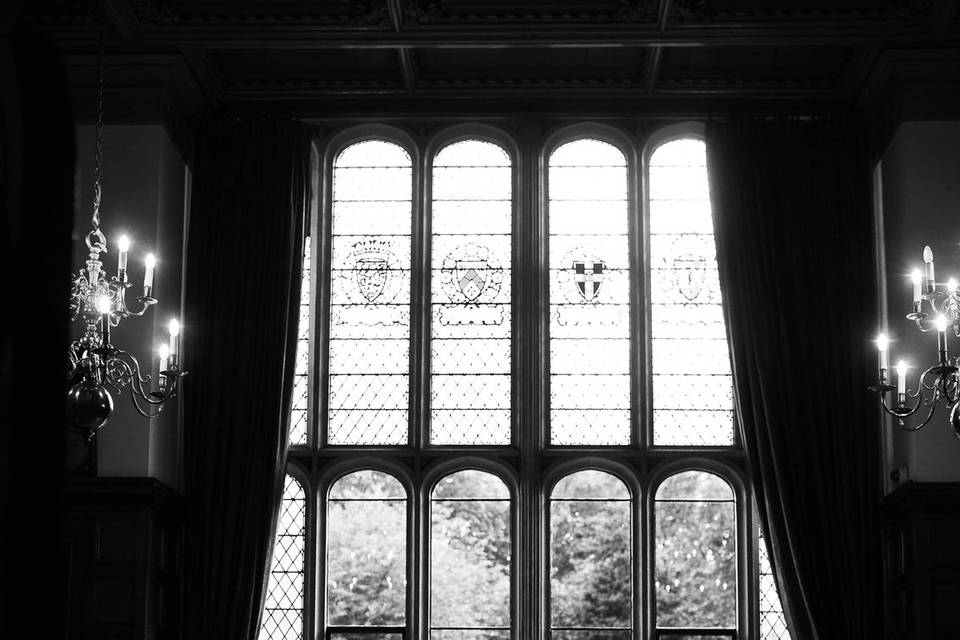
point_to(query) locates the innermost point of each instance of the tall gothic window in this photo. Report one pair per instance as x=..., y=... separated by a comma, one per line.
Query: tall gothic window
x=513, y=412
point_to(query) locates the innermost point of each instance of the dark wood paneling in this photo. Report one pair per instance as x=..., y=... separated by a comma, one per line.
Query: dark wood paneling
x=121, y=550
x=922, y=561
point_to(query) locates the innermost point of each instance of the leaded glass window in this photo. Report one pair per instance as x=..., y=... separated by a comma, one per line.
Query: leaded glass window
x=773, y=623
x=299, y=420
x=282, y=617
x=470, y=557
x=366, y=560
x=472, y=218
x=589, y=295
x=696, y=555
x=692, y=387
x=492, y=314
x=369, y=348
x=591, y=585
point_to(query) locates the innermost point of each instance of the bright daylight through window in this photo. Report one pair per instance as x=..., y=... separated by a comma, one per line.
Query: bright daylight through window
x=494, y=431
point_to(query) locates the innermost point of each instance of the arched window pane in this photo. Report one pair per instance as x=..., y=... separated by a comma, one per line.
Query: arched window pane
x=773, y=624
x=472, y=219
x=591, y=582
x=366, y=550
x=696, y=555
x=298, y=409
x=370, y=295
x=589, y=295
x=470, y=553
x=283, y=605
x=692, y=388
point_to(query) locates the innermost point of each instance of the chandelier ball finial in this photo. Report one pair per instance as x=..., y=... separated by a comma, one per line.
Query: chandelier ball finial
x=89, y=405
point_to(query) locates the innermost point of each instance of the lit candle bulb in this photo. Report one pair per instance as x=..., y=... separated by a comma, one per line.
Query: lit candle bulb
x=882, y=344
x=174, y=328
x=164, y=352
x=952, y=285
x=124, y=245
x=915, y=276
x=928, y=270
x=901, y=378
x=942, y=338
x=103, y=307
x=149, y=262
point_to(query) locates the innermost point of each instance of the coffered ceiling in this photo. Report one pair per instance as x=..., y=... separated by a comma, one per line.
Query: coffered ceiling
x=339, y=58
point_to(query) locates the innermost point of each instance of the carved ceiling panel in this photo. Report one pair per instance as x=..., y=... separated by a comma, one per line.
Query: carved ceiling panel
x=258, y=53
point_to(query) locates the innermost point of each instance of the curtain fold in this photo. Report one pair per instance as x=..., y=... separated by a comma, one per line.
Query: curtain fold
x=792, y=207
x=242, y=283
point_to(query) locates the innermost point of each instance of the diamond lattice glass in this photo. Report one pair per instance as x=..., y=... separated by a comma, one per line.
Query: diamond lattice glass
x=366, y=550
x=692, y=388
x=589, y=295
x=773, y=624
x=299, y=405
x=283, y=606
x=696, y=555
x=369, y=348
x=590, y=552
x=470, y=345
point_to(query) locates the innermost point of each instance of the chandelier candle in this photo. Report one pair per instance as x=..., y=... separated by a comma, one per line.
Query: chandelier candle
x=901, y=383
x=929, y=282
x=939, y=383
x=174, y=329
x=917, y=295
x=882, y=344
x=942, y=338
x=124, y=246
x=149, y=263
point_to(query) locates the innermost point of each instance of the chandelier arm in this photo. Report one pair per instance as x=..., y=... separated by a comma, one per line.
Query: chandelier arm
x=146, y=302
x=146, y=413
x=923, y=383
x=900, y=413
x=917, y=427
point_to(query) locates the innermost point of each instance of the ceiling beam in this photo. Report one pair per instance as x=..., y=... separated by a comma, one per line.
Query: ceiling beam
x=405, y=54
x=297, y=36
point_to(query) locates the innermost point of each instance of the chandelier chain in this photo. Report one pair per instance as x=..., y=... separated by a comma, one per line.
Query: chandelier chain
x=96, y=241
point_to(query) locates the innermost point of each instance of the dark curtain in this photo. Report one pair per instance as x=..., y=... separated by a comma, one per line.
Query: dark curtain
x=36, y=218
x=245, y=240
x=792, y=205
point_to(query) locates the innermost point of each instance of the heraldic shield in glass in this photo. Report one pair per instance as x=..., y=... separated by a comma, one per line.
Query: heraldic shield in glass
x=472, y=219
x=589, y=295
x=370, y=295
x=689, y=336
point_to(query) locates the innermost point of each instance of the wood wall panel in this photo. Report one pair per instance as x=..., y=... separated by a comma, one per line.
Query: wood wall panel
x=120, y=550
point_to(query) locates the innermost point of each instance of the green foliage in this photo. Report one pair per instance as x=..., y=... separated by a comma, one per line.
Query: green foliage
x=590, y=557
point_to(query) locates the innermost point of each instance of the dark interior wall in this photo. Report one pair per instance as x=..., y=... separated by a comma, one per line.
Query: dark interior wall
x=921, y=206
x=144, y=198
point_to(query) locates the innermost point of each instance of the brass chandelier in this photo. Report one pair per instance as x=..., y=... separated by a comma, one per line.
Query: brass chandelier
x=95, y=364
x=935, y=308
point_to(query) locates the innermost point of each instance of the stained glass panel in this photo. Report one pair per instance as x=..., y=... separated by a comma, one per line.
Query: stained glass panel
x=299, y=420
x=366, y=550
x=283, y=606
x=470, y=554
x=472, y=218
x=696, y=555
x=692, y=386
x=590, y=557
x=369, y=348
x=773, y=623
x=589, y=295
